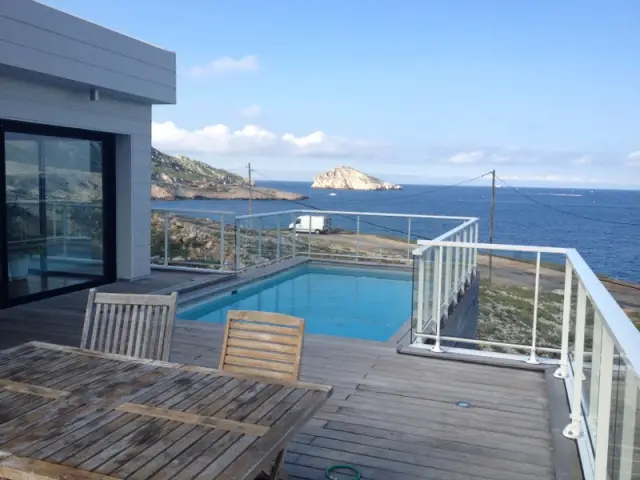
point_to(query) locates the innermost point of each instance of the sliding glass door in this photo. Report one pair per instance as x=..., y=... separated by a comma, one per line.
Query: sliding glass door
x=57, y=205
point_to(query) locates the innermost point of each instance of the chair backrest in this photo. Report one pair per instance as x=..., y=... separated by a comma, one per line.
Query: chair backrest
x=135, y=325
x=262, y=344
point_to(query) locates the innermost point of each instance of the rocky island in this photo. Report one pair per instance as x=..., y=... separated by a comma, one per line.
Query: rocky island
x=180, y=178
x=347, y=178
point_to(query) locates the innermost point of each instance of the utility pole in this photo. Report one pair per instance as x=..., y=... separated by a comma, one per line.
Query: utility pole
x=250, y=194
x=491, y=220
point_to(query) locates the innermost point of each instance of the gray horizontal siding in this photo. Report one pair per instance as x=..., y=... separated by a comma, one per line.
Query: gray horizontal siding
x=38, y=38
x=30, y=101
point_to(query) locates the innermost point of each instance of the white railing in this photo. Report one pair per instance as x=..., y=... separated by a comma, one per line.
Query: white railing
x=599, y=351
x=215, y=240
x=443, y=274
x=273, y=237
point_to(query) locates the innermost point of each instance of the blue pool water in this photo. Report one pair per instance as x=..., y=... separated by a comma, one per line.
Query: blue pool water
x=348, y=302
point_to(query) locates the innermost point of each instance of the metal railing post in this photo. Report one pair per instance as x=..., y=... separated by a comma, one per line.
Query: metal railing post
x=427, y=313
x=596, y=351
x=563, y=370
x=627, y=439
x=438, y=306
x=166, y=239
x=601, y=451
x=259, y=236
x=54, y=219
x=278, y=239
x=465, y=261
x=295, y=235
x=357, y=237
x=65, y=229
x=447, y=277
x=536, y=295
x=421, y=294
x=474, y=252
x=573, y=429
x=222, y=245
x=409, y=238
x=457, y=265
x=238, y=244
x=309, y=241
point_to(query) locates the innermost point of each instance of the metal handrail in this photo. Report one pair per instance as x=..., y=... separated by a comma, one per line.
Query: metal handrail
x=363, y=214
x=623, y=332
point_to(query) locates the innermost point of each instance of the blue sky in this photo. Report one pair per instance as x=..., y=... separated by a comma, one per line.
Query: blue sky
x=547, y=92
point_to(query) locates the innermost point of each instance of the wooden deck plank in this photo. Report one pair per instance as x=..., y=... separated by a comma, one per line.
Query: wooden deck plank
x=369, y=377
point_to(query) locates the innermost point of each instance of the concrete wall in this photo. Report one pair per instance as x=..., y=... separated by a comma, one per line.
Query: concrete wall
x=30, y=101
x=44, y=41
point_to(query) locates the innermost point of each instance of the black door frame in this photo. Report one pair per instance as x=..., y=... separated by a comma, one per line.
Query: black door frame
x=108, y=212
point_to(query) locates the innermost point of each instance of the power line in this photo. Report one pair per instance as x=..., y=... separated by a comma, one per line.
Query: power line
x=571, y=214
x=423, y=192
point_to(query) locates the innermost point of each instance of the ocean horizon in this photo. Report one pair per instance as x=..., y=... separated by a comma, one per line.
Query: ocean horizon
x=602, y=224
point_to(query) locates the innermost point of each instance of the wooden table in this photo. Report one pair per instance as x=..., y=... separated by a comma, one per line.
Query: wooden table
x=68, y=413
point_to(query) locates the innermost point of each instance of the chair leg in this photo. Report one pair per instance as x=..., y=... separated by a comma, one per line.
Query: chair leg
x=278, y=472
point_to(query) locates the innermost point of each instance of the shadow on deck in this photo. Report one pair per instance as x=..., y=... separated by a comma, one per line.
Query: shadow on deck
x=392, y=416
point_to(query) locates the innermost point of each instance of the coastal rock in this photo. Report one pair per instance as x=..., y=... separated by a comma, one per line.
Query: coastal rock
x=347, y=178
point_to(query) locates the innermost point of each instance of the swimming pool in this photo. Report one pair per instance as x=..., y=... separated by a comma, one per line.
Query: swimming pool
x=343, y=301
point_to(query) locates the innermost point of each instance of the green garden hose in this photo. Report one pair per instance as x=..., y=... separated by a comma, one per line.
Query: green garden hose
x=353, y=470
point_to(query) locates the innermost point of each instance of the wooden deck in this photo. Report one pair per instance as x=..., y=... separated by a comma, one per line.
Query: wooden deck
x=393, y=416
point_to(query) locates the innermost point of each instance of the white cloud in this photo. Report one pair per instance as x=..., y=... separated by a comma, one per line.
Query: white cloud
x=252, y=111
x=253, y=140
x=583, y=160
x=633, y=159
x=222, y=65
x=467, y=157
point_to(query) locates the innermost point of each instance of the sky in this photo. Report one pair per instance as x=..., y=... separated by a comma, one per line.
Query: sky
x=546, y=92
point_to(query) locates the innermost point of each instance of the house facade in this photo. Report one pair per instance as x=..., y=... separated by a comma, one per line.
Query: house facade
x=75, y=140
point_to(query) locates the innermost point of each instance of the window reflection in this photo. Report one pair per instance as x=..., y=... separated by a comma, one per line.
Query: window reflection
x=54, y=205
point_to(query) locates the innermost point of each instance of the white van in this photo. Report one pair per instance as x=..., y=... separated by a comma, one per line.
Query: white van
x=311, y=223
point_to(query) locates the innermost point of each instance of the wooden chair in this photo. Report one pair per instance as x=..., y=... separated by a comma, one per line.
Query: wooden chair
x=134, y=325
x=266, y=345
x=262, y=344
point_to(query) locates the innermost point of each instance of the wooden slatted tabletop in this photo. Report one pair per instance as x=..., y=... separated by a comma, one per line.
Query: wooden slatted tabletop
x=68, y=413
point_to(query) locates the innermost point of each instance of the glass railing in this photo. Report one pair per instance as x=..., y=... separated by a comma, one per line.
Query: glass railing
x=539, y=305
x=381, y=238
x=193, y=239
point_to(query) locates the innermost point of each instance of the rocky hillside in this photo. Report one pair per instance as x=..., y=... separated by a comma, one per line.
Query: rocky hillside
x=185, y=171
x=180, y=177
x=347, y=178
x=68, y=177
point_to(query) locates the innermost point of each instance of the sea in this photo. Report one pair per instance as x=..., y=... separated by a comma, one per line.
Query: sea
x=603, y=225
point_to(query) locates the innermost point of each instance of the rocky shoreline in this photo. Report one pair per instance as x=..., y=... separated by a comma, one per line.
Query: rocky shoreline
x=220, y=192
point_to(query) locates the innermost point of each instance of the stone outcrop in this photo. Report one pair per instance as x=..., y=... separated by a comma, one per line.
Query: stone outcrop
x=347, y=178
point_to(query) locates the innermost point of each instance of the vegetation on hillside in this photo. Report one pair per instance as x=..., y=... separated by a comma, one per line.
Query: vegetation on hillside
x=168, y=169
